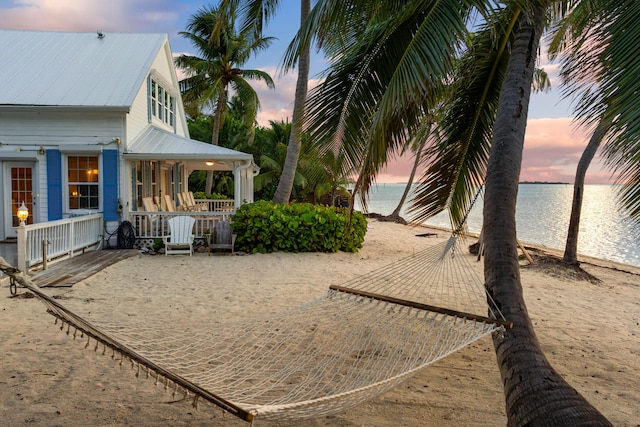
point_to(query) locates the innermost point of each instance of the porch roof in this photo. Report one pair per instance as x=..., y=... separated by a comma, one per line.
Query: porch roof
x=158, y=144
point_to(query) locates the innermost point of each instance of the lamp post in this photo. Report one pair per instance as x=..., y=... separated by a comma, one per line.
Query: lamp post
x=23, y=214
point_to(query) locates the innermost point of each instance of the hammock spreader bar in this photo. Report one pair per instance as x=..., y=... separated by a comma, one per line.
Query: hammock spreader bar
x=422, y=306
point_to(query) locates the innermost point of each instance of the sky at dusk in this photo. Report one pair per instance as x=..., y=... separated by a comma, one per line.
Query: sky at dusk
x=553, y=144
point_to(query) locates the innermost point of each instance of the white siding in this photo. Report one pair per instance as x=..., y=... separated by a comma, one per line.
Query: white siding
x=60, y=129
x=138, y=119
x=34, y=128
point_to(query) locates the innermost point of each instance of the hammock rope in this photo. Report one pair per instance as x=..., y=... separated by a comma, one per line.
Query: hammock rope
x=349, y=345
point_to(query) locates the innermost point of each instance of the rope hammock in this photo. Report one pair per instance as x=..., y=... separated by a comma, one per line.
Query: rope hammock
x=353, y=343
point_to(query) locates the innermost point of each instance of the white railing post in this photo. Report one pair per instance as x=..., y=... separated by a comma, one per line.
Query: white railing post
x=71, y=238
x=22, y=248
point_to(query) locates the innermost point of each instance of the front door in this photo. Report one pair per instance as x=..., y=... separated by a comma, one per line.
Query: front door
x=20, y=179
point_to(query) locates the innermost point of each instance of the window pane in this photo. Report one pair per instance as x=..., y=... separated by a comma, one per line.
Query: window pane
x=83, y=181
x=73, y=197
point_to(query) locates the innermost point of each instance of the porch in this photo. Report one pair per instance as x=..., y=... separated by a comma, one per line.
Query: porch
x=154, y=225
x=38, y=244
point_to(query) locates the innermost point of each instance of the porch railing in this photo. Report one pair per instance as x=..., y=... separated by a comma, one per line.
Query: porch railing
x=152, y=225
x=217, y=205
x=45, y=241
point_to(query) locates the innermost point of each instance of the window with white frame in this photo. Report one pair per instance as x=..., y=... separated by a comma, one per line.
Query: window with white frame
x=147, y=180
x=83, y=182
x=162, y=104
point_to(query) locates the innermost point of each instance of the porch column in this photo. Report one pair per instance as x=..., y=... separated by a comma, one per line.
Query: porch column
x=240, y=184
x=22, y=249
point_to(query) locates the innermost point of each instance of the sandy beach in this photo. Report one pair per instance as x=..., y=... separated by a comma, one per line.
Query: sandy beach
x=589, y=331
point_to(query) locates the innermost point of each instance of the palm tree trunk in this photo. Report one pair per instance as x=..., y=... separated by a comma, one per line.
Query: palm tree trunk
x=215, y=135
x=285, y=185
x=571, y=246
x=535, y=394
x=395, y=215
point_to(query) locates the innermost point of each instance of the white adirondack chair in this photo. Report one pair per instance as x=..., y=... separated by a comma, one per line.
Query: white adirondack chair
x=180, y=241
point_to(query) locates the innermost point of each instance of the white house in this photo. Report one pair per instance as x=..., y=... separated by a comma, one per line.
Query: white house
x=94, y=122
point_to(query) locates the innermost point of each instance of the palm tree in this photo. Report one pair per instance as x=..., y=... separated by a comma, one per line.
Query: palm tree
x=570, y=255
x=417, y=146
x=222, y=50
x=272, y=159
x=257, y=13
x=579, y=36
x=326, y=175
x=601, y=71
x=388, y=74
x=535, y=392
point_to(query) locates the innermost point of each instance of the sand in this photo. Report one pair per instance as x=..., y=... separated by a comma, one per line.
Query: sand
x=589, y=331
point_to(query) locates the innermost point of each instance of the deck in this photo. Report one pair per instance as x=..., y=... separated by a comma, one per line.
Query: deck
x=73, y=270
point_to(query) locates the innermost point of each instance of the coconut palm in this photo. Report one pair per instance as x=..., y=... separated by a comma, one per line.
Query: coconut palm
x=570, y=255
x=256, y=15
x=416, y=146
x=272, y=159
x=222, y=50
x=585, y=39
x=601, y=71
x=386, y=75
x=535, y=392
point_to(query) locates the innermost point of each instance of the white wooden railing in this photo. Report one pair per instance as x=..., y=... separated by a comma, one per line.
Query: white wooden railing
x=216, y=205
x=45, y=241
x=152, y=225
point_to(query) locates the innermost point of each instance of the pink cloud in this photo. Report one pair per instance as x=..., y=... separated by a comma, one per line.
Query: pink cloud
x=89, y=15
x=278, y=104
x=552, y=150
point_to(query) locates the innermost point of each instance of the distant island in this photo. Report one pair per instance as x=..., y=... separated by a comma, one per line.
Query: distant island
x=544, y=182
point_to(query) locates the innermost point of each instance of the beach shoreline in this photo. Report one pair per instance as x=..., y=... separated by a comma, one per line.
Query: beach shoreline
x=588, y=331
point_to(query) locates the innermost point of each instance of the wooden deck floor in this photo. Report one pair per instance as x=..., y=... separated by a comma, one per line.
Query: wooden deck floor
x=73, y=270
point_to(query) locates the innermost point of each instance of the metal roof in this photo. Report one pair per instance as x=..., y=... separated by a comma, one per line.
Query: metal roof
x=74, y=69
x=158, y=144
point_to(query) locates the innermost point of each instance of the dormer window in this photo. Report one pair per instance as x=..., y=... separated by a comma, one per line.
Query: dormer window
x=163, y=104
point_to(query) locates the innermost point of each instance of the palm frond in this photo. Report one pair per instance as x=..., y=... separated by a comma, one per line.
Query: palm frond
x=456, y=168
x=601, y=72
x=383, y=83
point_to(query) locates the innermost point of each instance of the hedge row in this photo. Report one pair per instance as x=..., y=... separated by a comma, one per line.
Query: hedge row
x=297, y=227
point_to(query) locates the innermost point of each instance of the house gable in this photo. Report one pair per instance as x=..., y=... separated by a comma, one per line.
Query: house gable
x=161, y=74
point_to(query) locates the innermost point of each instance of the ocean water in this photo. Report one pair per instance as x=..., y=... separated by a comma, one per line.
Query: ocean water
x=542, y=217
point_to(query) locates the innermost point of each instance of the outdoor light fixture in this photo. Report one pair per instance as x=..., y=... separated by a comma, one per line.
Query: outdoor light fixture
x=209, y=163
x=23, y=214
x=41, y=150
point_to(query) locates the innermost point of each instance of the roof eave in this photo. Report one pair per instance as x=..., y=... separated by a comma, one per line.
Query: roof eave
x=71, y=108
x=185, y=156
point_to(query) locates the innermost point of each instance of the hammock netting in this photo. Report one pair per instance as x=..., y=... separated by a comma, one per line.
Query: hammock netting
x=351, y=344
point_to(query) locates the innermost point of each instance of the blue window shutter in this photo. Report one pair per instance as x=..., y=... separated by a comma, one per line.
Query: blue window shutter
x=110, y=180
x=54, y=184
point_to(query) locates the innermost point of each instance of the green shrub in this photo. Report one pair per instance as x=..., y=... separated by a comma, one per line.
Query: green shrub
x=214, y=196
x=297, y=227
x=158, y=244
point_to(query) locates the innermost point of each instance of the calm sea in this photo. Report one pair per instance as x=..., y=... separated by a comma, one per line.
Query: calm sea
x=543, y=217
